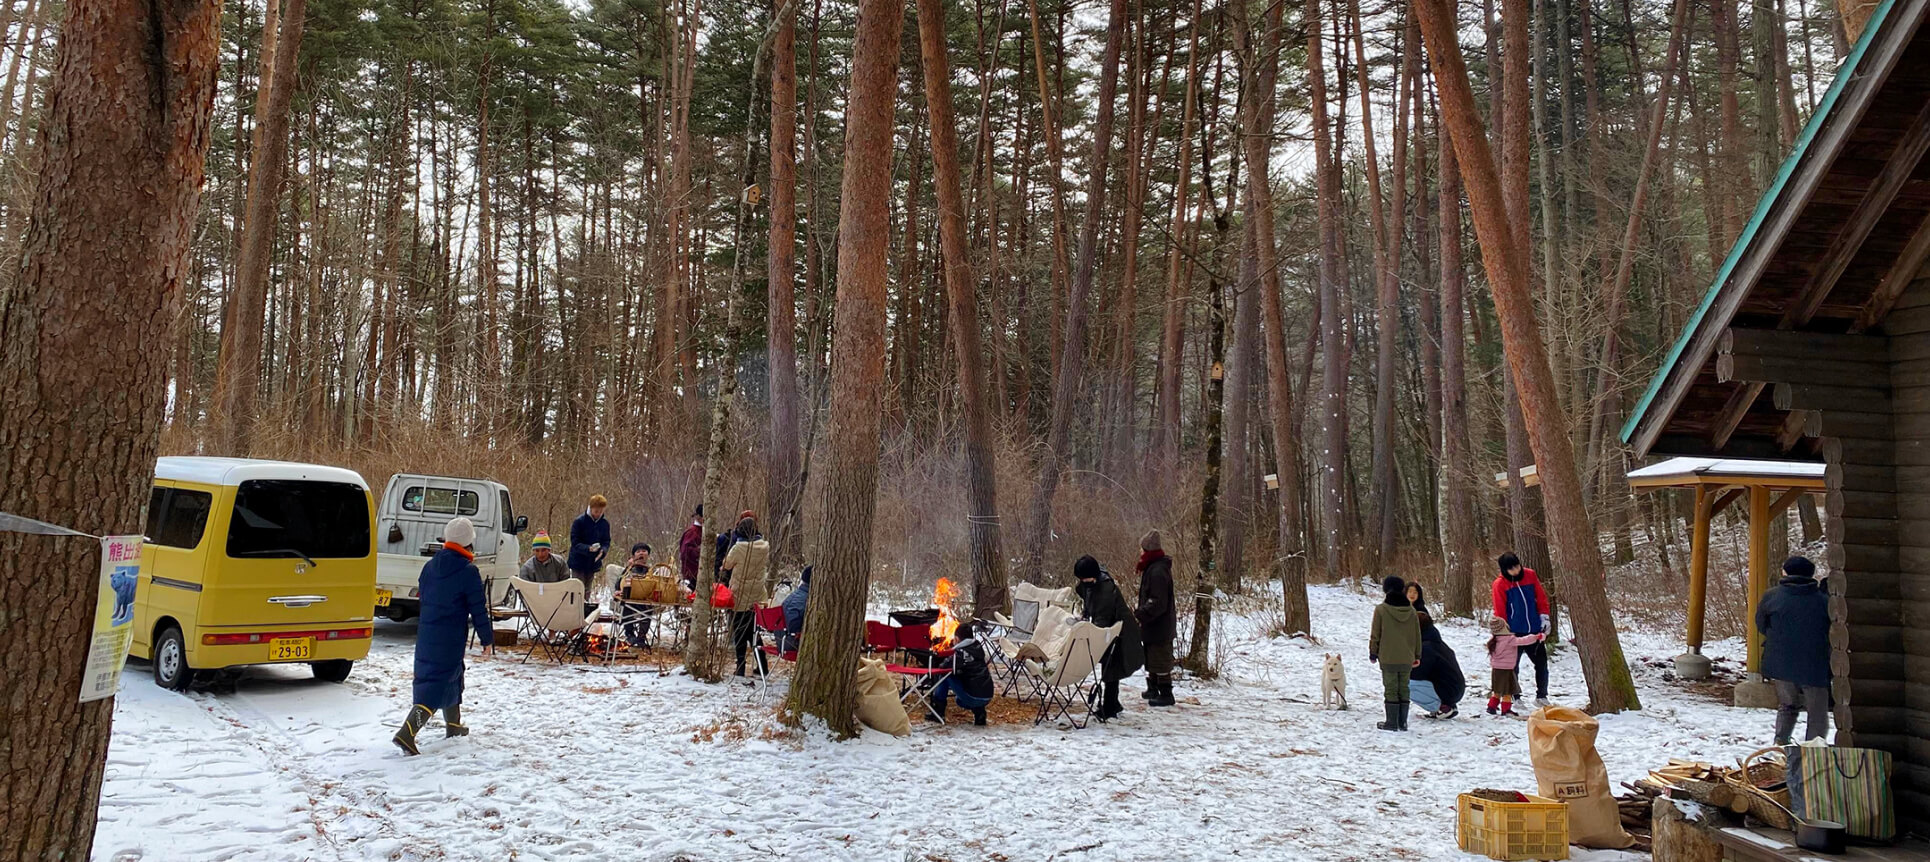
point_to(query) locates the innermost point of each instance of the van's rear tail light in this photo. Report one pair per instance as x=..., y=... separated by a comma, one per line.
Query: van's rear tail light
x=264, y=637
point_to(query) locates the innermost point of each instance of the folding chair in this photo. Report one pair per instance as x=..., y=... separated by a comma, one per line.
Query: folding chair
x=880, y=637
x=1071, y=679
x=558, y=622
x=923, y=668
x=770, y=621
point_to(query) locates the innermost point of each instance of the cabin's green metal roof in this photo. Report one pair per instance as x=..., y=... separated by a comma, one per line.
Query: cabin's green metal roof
x=1796, y=154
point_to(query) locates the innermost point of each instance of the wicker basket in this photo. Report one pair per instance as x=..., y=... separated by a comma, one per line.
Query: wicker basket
x=1764, y=783
x=1513, y=831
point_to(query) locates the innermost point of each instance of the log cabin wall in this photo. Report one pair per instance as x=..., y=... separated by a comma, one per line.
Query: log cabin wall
x=1891, y=621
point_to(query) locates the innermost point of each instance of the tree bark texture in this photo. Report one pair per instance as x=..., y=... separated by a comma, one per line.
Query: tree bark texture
x=782, y=488
x=82, y=330
x=841, y=583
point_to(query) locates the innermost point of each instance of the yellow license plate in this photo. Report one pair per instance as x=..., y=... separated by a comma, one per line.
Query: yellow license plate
x=291, y=649
x=382, y=598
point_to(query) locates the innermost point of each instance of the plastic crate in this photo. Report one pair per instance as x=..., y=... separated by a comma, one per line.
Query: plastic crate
x=1513, y=831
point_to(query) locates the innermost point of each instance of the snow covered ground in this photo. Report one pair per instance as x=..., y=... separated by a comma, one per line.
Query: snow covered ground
x=574, y=763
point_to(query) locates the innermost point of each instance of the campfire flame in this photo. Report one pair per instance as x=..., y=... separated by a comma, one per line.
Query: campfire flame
x=943, y=596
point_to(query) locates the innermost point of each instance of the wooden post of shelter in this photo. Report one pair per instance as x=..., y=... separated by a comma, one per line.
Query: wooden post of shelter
x=1698, y=582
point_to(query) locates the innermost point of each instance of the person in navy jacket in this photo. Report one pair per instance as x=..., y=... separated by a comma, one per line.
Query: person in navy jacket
x=1794, y=621
x=589, y=544
x=1520, y=600
x=452, y=602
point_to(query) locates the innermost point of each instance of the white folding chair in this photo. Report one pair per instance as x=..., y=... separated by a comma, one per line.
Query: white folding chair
x=1071, y=678
x=558, y=623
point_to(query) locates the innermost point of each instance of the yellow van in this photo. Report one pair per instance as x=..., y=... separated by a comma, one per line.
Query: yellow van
x=255, y=562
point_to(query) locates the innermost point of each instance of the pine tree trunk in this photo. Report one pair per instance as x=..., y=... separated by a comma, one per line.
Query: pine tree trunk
x=1166, y=431
x=1610, y=686
x=1461, y=551
x=989, y=592
x=841, y=584
x=1066, y=383
x=238, y=376
x=782, y=489
x=1236, y=498
x=1333, y=321
x=1199, y=656
x=1385, y=220
x=123, y=151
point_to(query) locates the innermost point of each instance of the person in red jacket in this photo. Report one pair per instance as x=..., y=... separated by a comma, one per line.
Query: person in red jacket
x=1520, y=600
x=690, y=546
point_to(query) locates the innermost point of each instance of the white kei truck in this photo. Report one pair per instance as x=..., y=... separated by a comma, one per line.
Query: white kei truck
x=408, y=531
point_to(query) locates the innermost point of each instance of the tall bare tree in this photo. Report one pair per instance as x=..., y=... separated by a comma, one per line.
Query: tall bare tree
x=989, y=591
x=238, y=377
x=82, y=331
x=1505, y=256
x=827, y=661
x=1333, y=323
x=782, y=487
x=1072, y=361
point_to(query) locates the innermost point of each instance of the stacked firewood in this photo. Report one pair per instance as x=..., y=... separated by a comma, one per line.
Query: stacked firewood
x=1715, y=786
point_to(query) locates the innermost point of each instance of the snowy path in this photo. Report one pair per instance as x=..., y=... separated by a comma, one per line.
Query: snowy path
x=566, y=763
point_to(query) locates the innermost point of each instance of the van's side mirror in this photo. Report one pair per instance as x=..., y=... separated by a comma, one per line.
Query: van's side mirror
x=522, y=524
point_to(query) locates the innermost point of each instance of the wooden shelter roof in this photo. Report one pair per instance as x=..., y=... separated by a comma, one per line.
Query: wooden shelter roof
x=1842, y=230
x=1688, y=472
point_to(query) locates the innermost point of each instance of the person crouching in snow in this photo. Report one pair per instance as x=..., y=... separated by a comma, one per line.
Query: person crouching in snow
x=452, y=602
x=971, y=678
x=1504, y=655
x=1394, y=640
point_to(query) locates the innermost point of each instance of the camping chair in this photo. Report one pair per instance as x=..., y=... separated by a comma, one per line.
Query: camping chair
x=923, y=667
x=770, y=621
x=880, y=638
x=558, y=623
x=1071, y=679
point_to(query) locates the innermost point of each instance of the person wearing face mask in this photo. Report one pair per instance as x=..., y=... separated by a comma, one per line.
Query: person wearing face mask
x=1521, y=602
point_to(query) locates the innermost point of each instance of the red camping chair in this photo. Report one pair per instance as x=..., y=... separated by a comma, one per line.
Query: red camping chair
x=923, y=668
x=879, y=637
x=770, y=621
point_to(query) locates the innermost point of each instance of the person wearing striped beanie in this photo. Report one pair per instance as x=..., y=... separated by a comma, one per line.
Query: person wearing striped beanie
x=543, y=566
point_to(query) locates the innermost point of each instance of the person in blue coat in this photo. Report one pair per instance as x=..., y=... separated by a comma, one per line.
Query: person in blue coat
x=794, y=605
x=452, y=602
x=589, y=544
x=1794, y=621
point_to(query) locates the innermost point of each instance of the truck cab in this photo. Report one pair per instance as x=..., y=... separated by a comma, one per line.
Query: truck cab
x=408, y=531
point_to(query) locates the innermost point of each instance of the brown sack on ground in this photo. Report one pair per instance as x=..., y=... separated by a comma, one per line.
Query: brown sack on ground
x=1561, y=742
x=878, y=704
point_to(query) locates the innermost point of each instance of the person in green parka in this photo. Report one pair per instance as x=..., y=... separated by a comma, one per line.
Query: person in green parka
x=1394, y=640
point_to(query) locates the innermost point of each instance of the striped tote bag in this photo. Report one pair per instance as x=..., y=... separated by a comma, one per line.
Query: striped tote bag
x=1848, y=785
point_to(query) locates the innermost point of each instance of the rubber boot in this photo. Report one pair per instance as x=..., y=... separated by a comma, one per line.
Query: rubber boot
x=452, y=725
x=1393, y=721
x=1164, y=697
x=1405, y=709
x=978, y=716
x=1152, y=688
x=405, y=736
x=1112, y=708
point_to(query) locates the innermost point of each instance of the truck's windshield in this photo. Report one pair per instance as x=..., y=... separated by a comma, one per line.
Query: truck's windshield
x=286, y=518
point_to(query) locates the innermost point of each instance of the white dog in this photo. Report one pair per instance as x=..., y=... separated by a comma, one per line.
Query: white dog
x=1333, y=683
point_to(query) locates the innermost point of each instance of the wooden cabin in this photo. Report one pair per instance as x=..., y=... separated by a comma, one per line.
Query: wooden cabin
x=1813, y=343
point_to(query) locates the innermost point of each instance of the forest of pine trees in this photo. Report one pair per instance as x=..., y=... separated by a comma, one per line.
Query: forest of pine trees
x=1292, y=282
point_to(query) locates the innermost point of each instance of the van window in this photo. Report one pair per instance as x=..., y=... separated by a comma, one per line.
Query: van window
x=176, y=518
x=440, y=501
x=509, y=521
x=286, y=517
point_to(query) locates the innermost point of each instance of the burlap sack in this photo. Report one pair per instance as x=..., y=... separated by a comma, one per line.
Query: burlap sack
x=878, y=704
x=1561, y=743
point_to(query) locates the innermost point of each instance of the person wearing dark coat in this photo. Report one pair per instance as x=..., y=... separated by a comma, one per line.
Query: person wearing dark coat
x=1794, y=621
x=453, y=601
x=1437, y=684
x=970, y=679
x=1394, y=641
x=589, y=544
x=794, y=605
x=1156, y=618
x=1104, y=606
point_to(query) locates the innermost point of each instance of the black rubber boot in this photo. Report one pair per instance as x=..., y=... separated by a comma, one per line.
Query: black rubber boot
x=1393, y=721
x=978, y=717
x=1111, y=708
x=1403, y=714
x=1165, y=695
x=405, y=736
x=452, y=725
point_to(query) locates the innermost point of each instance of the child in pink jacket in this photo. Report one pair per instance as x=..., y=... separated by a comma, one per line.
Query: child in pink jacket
x=1504, y=655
